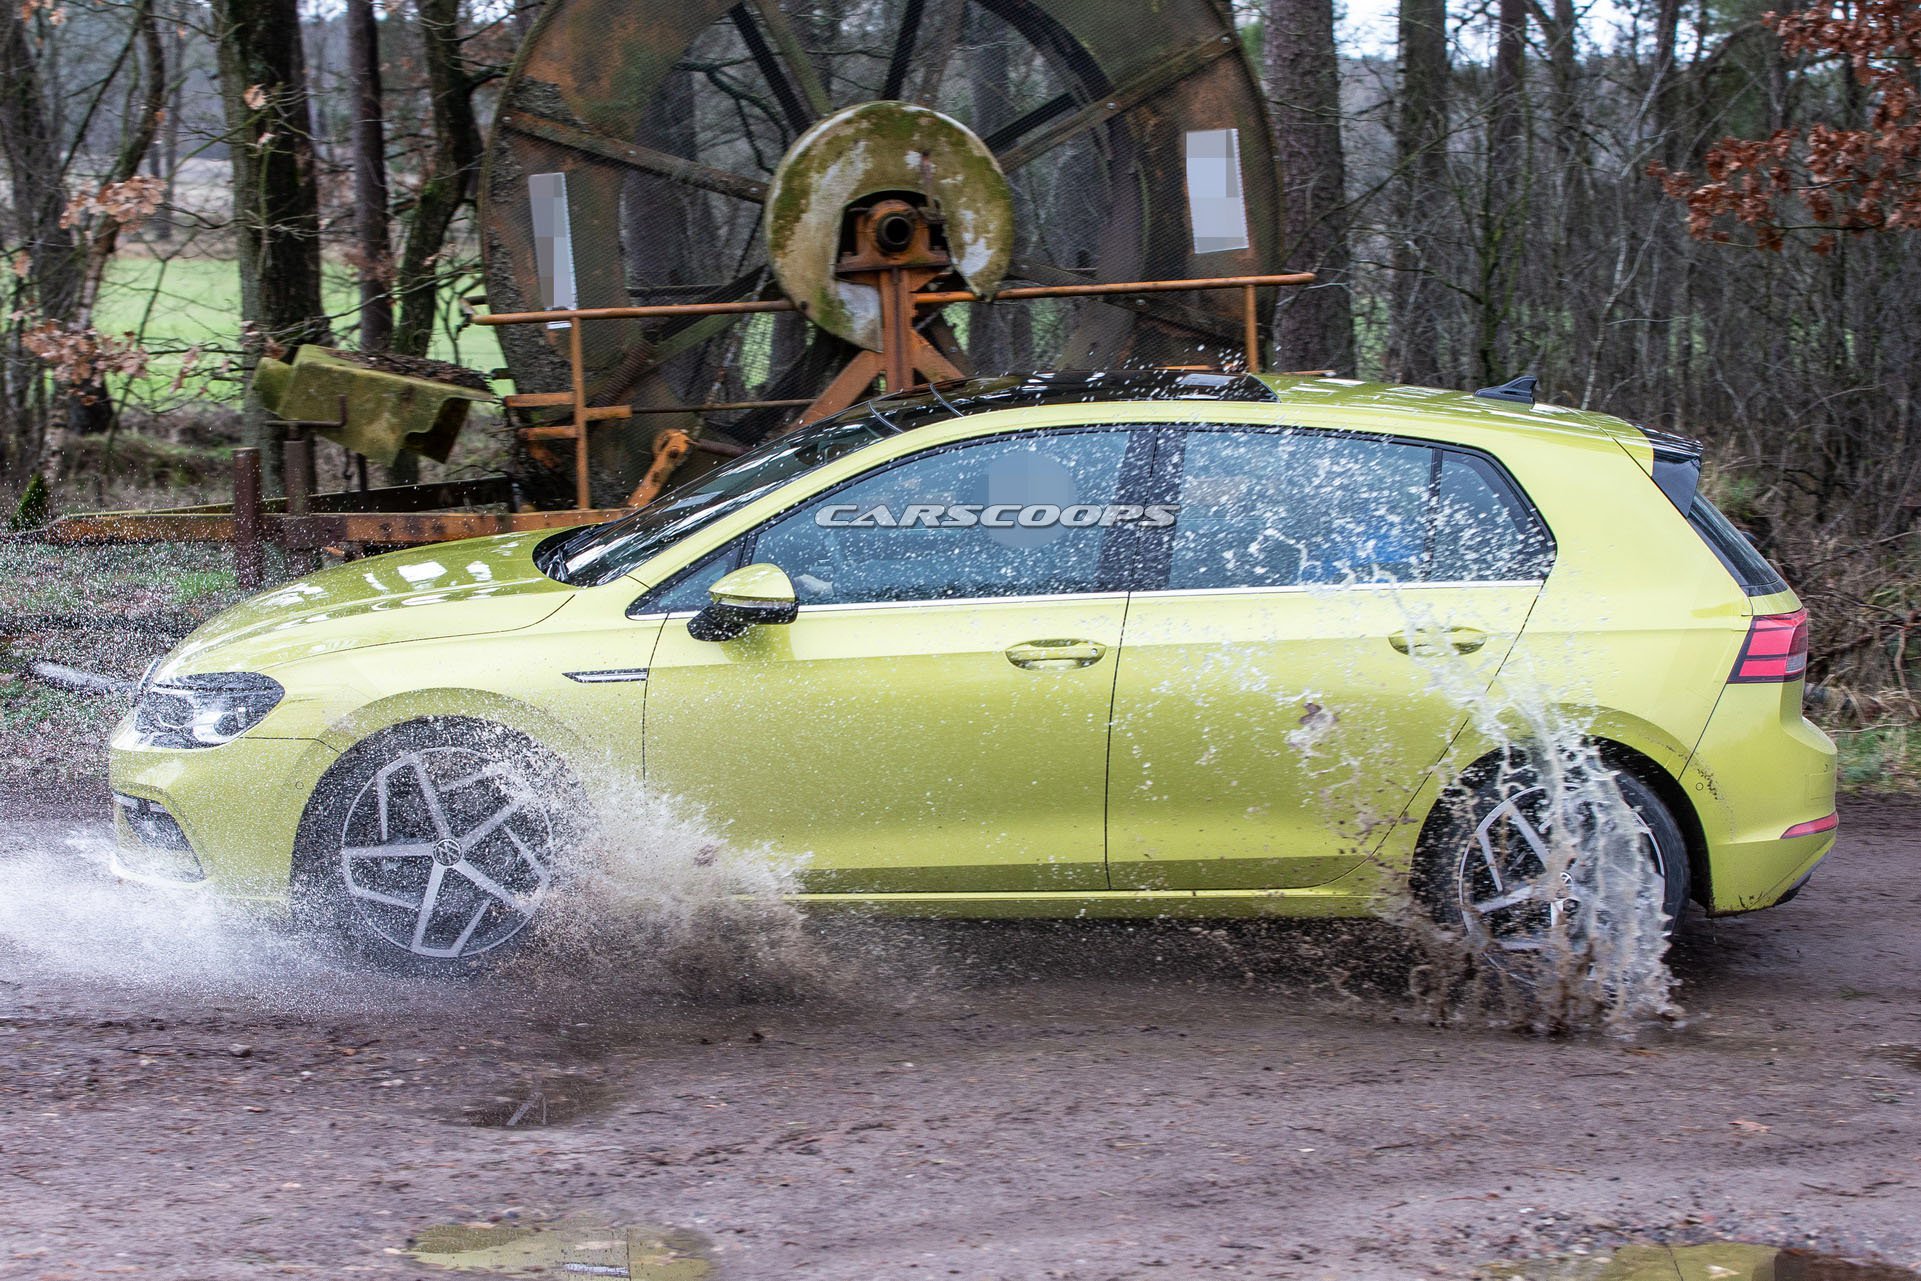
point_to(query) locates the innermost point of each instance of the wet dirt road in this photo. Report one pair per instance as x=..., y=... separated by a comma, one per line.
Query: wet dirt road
x=184, y=1097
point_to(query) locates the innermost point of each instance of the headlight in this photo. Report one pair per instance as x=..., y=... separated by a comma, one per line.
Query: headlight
x=205, y=710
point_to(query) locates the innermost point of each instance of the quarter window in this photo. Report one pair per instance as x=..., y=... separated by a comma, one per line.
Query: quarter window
x=1008, y=516
x=1299, y=508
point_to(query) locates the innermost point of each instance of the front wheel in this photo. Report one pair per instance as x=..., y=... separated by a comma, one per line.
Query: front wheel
x=1520, y=864
x=433, y=845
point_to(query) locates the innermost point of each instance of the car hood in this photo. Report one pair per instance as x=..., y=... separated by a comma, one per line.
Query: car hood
x=450, y=589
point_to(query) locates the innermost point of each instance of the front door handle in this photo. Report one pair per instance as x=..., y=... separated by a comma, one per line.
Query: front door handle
x=1427, y=640
x=1055, y=655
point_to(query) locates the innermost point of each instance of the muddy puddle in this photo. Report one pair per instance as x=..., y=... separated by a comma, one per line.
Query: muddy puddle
x=538, y=1101
x=1713, y=1261
x=577, y=1246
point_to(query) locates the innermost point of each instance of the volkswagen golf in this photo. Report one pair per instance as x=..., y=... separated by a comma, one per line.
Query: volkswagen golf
x=1136, y=642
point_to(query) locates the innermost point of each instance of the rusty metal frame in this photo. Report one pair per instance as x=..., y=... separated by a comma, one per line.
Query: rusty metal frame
x=897, y=366
x=306, y=521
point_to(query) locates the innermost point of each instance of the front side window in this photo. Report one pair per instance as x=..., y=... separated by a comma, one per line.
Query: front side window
x=1010, y=516
x=601, y=553
x=1299, y=508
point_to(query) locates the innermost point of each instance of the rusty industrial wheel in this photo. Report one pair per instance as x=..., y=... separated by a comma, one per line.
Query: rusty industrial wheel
x=1133, y=143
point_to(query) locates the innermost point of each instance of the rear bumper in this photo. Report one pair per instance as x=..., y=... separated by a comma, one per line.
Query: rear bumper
x=1761, y=769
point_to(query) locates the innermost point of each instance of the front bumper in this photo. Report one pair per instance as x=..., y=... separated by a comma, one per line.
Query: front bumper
x=238, y=806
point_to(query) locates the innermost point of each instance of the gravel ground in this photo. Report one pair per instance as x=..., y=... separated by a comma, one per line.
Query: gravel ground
x=187, y=1094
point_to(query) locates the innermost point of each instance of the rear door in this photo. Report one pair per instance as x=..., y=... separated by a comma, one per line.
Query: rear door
x=1324, y=613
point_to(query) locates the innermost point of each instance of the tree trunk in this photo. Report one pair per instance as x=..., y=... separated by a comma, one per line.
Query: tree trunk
x=375, y=266
x=1314, y=327
x=1420, y=156
x=56, y=260
x=445, y=188
x=263, y=82
x=1504, y=196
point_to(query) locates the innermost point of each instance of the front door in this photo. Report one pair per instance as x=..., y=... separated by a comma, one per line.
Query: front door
x=936, y=718
x=1327, y=610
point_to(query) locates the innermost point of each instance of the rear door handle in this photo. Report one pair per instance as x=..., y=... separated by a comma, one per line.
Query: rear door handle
x=1428, y=640
x=1055, y=655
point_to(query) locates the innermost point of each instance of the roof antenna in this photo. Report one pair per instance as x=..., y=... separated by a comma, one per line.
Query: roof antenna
x=1520, y=391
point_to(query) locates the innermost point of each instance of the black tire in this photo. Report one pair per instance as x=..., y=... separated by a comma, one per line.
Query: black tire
x=431, y=846
x=1461, y=860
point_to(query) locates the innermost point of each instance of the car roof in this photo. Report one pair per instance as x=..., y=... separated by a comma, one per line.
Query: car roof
x=922, y=406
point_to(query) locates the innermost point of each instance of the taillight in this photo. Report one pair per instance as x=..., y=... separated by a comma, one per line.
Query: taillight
x=1776, y=650
x=1812, y=827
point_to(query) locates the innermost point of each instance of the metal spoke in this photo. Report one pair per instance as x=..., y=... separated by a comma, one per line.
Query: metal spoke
x=428, y=901
x=527, y=856
x=903, y=49
x=646, y=159
x=467, y=934
x=428, y=794
x=391, y=900
x=798, y=116
x=1156, y=80
x=402, y=850
x=482, y=831
x=489, y=885
x=1518, y=821
x=1500, y=903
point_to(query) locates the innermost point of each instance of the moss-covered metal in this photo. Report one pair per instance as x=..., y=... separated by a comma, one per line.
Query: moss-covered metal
x=385, y=414
x=863, y=151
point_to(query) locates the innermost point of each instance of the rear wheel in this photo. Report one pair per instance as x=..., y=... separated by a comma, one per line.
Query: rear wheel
x=1513, y=863
x=433, y=846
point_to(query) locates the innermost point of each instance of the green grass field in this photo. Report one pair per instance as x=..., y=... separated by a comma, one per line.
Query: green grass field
x=174, y=306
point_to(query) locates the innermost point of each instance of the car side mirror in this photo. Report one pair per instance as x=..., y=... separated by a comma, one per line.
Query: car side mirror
x=751, y=596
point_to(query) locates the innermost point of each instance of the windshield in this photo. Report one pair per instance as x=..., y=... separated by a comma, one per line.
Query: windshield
x=601, y=553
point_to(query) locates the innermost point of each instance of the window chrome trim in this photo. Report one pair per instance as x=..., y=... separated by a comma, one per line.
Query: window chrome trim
x=841, y=607
x=1320, y=589
x=1314, y=589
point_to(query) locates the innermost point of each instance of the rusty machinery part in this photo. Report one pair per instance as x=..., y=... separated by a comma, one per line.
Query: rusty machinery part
x=877, y=186
x=671, y=125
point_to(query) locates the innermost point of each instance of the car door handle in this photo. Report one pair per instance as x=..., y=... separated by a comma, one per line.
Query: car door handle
x=1428, y=640
x=1055, y=655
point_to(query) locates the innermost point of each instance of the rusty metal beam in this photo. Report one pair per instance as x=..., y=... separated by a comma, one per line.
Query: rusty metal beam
x=412, y=528
x=691, y=172
x=247, y=518
x=794, y=56
x=1123, y=98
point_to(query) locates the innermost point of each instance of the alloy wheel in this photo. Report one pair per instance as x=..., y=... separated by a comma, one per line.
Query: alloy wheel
x=447, y=853
x=1503, y=880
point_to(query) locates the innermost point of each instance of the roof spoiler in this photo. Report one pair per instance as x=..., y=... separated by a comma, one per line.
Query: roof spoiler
x=1677, y=466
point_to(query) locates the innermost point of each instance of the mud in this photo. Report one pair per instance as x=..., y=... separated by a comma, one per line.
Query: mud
x=189, y=1094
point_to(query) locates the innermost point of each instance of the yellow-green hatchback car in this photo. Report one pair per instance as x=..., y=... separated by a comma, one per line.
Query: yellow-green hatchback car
x=1142, y=642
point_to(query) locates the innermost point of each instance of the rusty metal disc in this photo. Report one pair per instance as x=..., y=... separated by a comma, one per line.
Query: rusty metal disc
x=670, y=123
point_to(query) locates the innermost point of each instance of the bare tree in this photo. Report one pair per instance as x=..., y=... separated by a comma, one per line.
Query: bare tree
x=1314, y=326
x=263, y=81
x=1420, y=161
x=374, y=265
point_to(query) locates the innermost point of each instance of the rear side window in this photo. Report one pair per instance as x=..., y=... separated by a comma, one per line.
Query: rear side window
x=1749, y=567
x=1297, y=508
x=1483, y=531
